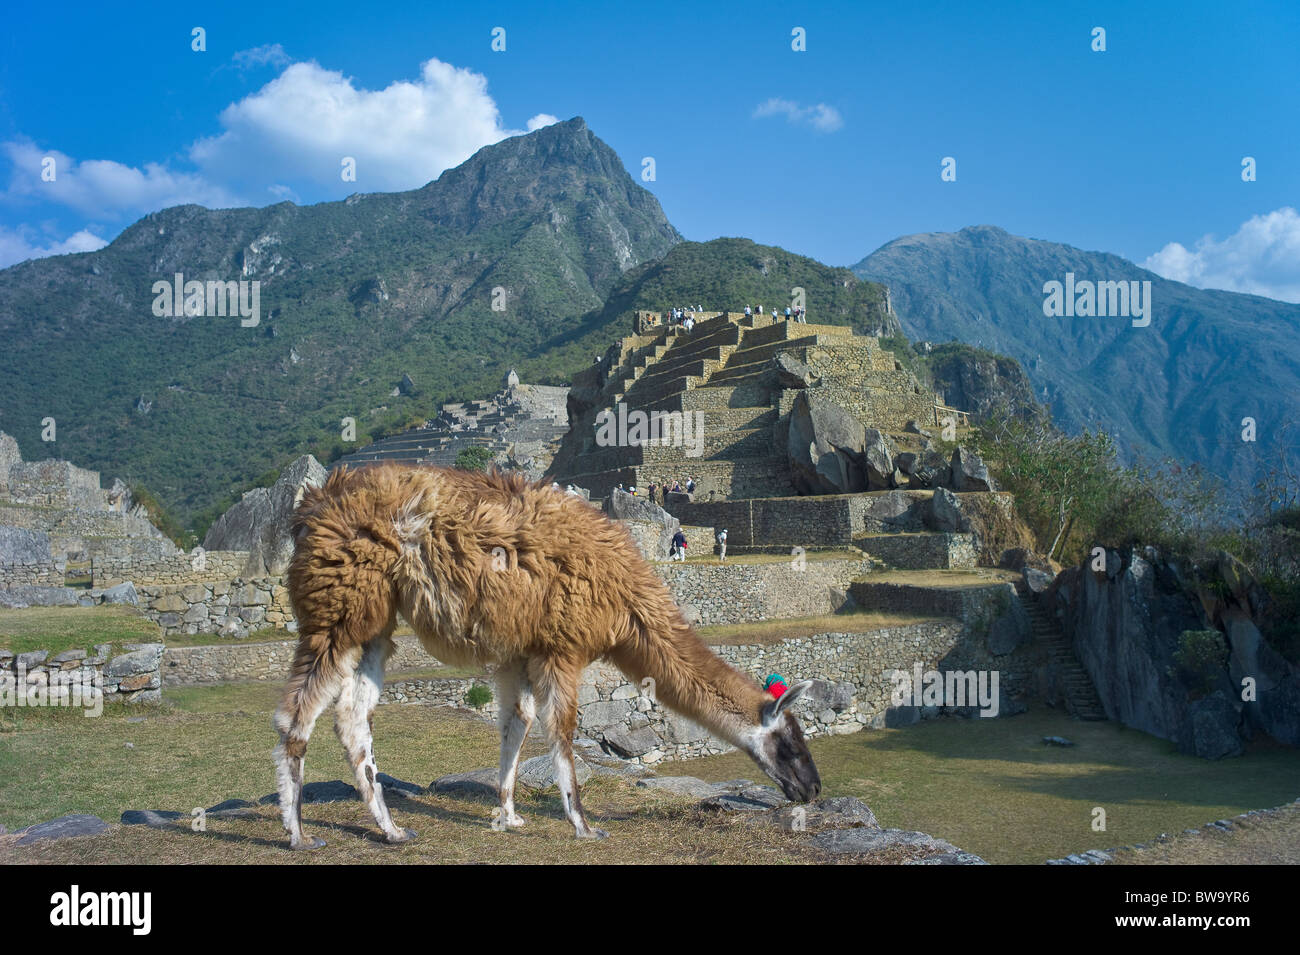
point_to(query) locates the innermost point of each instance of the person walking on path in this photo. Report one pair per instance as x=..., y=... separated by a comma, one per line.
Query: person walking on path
x=679, y=546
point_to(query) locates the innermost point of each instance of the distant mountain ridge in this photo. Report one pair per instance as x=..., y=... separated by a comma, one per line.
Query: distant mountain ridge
x=1180, y=386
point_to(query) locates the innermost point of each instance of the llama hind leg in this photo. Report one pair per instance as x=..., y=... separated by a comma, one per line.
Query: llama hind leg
x=316, y=683
x=515, y=696
x=557, y=691
x=353, y=718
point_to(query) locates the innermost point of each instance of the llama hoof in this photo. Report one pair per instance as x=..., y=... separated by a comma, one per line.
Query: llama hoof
x=593, y=833
x=406, y=835
x=515, y=822
x=306, y=843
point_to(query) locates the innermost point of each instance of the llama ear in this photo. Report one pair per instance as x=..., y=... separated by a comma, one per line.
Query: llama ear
x=787, y=699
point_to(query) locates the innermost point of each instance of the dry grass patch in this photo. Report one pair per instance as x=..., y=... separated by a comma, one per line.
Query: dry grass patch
x=982, y=577
x=644, y=828
x=1262, y=840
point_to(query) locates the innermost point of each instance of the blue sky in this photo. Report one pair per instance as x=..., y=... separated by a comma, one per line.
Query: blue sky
x=828, y=152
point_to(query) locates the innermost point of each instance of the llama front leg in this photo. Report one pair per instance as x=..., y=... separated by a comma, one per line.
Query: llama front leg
x=515, y=695
x=556, y=686
x=353, y=723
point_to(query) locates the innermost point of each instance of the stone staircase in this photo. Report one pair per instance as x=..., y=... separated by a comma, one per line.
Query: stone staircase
x=1081, y=698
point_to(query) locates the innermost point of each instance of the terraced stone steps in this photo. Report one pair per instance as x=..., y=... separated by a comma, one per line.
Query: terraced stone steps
x=1081, y=696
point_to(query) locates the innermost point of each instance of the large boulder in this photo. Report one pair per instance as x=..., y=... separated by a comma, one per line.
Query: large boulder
x=969, y=472
x=892, y=512
x=832, y=452
x=651, y=526
x=792, y=373
x=825, y=447
x=1276, y=707
x=925, y=470
x=878, y=461
x=947, y=515
x=990, y=517
x=260, y=522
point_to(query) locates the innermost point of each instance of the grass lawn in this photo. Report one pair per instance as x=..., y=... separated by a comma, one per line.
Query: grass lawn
x=989, y=786
x=211, y=744
x=767, y=632
x=74, y=628
x=980, y=577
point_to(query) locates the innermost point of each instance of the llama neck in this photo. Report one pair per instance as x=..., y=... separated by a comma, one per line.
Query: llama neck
x=690, y=678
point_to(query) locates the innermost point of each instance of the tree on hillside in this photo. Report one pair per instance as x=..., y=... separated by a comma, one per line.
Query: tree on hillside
x=1061, y=482
x=474, y=458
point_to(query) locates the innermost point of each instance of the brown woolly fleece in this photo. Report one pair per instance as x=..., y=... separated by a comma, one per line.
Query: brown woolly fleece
x=488, y=568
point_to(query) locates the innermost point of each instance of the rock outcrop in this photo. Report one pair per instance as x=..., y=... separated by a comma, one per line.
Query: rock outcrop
x=260, y=522
x=1173, y=650
x=652, y=527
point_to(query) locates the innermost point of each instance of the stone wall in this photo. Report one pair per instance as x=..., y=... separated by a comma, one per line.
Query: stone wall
x=78, y=678
x=228, y=607
x=961, y=602
x=80, y=524
x=717, y=593
x=25, y=558
x=115, y=567
x=852, y=674
x=795, y=521
x=439, y=692
x=923, y=551
x=54, y=483
x=268, y=661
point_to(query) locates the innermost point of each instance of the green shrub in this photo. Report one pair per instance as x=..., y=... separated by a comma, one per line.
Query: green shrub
x=1200, y=659
x=474, y=458
x=478, y=696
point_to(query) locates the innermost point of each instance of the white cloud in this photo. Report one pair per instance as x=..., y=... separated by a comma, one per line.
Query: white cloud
x=304, y=122
x=16, y=246
x=269, y=54
x=282, y=140
x=103, y=188
x=1262, y=257
x=823, y=118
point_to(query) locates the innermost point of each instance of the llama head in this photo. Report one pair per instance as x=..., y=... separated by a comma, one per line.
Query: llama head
x=777, y=745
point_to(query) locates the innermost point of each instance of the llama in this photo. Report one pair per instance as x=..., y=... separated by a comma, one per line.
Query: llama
x=489, y=569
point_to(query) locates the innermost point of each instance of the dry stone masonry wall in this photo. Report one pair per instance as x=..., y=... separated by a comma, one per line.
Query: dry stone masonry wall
x=75, y=677
x=232, y=608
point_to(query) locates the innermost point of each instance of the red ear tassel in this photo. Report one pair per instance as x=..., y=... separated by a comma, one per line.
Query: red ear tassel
x=775, y=684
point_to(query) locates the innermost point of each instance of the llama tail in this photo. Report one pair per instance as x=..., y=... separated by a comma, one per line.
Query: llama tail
x=313, y=684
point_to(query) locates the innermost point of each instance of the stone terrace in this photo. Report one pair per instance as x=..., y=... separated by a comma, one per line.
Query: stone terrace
x=724, y=371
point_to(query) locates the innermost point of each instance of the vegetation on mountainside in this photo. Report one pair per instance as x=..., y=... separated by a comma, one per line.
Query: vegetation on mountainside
x=1075, y=494
x=353, y=296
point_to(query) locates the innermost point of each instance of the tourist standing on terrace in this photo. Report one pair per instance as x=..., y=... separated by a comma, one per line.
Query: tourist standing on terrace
x=679, y=546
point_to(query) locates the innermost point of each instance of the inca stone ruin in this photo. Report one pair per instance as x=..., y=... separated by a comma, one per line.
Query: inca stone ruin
x=521, y=425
